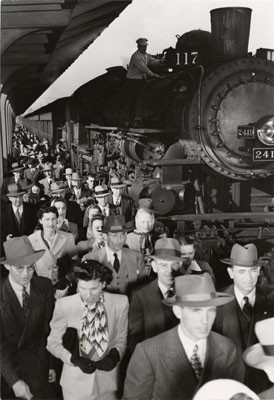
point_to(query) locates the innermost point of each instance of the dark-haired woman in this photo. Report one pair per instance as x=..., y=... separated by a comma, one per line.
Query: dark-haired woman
x=99, y=321
x=56, y=243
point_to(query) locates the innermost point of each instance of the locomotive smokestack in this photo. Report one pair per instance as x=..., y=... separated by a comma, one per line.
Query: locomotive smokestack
x=230, y=32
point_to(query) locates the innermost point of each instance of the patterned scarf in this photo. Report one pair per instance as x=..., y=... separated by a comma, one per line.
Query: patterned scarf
x=93, y=328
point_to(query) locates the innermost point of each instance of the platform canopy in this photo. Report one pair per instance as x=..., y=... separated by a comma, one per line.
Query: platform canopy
x=40, y=39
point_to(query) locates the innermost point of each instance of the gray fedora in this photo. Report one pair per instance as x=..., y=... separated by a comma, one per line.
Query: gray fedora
x=197, y=291
x=19, y=252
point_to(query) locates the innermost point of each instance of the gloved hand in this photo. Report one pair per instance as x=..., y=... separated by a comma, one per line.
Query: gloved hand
x=109, y=361
x=87, y=366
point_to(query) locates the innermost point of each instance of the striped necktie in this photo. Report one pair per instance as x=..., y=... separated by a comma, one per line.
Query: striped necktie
x=25, y=300
x=196, y=362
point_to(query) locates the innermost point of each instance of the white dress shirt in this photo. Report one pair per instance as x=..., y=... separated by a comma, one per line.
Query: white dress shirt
x=110, y=254
x=189, y=344
x=18, y=289
x=20, y=208
x=164, y=289
x=240, y=297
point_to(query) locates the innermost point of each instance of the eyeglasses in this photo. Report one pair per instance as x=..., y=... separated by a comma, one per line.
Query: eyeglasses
x=29, y=269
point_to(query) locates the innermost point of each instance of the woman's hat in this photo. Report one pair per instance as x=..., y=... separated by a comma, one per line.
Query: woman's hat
x=76, y=176
x=146, y=204
x=197, y=291
x=19, y=252
x=101, y=191
x=16, y=167
x=261, y=355
x=115, y=182
x=114, y=224
x=48, y=166
x=15, y=190
x=223, y=389
x=243, y=256
x=167, y=249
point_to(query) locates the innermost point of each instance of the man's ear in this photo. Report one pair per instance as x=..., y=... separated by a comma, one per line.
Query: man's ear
x=154, y=266
x=230, y=272
x=177, y=311
x=7, y=266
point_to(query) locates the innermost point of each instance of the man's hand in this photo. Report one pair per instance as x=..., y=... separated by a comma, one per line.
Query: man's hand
x=22, y=390
x=52, y=376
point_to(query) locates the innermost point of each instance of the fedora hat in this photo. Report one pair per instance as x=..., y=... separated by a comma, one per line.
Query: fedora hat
x=223, y=389
x=76, y=176
x=32, y=161
x=48, y=166
x=116, y=183
x=57, y=187
x=15, y=167
x=101, y=191
x=19, y=252
x=114, y=224
x=261, y=355
x=243, y=256
x=15, y=190
x=146, y=204
x=197, y=291
x=167, y=249
x=68, y=171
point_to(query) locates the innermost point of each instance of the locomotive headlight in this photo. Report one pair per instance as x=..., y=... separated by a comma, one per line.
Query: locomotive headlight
x=265, y=130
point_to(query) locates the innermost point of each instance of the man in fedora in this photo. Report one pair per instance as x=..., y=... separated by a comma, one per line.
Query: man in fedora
x=49, y=178
x=261, y=355
x=120, y=203
x=32, y=173
x=102, y=195
x=127, y=265
x=17, y=177
x=237, y=319
x=26, y=309
x=174, y=364
x=17, y=217
x=148, y=316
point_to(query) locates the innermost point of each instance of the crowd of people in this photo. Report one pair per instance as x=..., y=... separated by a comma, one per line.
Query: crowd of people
x=99, y=303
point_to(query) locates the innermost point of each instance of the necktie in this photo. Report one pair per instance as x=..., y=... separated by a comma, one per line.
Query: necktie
x=247, y=309
x=93, y=328
x=18, y=216
x=116, y=264
x=170, y=293
x=196, y=362
x=25, y=300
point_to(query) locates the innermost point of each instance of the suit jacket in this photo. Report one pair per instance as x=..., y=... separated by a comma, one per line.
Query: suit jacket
x=23, y=339
x=131, y=268
x=9, y=223
x=33, y=176
x=147, y=314
x=46, y=186
x=68, y=313
x=159, y=368
x=227, y=323
x=125, y=208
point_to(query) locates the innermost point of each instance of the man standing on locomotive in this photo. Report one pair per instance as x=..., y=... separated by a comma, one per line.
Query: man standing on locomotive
x=140, y=62
x=138, y=71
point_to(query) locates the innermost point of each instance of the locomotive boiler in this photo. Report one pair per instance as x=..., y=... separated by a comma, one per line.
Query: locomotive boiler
x=202, y=128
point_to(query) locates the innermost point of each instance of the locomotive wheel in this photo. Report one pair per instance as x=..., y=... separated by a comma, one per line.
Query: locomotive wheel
x=237, y=93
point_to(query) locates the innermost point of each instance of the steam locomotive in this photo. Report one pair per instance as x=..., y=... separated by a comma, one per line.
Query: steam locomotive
x=204, y=130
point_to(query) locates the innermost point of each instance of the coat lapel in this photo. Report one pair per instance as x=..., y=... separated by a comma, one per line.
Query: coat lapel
x=177, y=365
x=154, y=305
x=11, y=311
